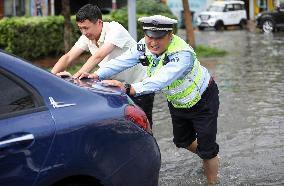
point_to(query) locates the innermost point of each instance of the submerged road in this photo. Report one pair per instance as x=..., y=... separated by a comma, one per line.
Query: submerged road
x=251, y=115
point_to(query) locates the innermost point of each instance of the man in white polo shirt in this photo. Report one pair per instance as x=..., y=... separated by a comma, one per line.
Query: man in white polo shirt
x=105, y=41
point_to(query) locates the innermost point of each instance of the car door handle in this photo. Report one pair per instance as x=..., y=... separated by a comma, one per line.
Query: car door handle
x=25, y=139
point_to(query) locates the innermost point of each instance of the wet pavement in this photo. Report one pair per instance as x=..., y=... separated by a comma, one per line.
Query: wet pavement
x=251, y=115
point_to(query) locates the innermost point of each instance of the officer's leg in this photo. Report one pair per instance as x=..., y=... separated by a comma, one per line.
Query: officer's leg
x=211, y=167
x=206, y=127
x=192, y=147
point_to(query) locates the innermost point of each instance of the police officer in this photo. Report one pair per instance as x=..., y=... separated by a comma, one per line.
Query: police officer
x=191, y=92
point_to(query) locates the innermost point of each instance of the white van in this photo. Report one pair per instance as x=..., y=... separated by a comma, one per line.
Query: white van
x=223, y=13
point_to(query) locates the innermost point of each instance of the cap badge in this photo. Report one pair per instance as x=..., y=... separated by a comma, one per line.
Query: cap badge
x=154, y=22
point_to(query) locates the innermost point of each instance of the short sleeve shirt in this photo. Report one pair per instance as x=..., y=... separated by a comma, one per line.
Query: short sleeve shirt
x=117, y=35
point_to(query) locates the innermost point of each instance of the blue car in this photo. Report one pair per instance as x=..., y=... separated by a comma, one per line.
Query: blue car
x=56, y=131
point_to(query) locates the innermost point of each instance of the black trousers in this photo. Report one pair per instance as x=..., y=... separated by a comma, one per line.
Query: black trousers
x=198, y=122
x=145, y=102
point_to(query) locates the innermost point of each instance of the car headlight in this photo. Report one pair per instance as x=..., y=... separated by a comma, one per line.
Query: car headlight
x=204, y=17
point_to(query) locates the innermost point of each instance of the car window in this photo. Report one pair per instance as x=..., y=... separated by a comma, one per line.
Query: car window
x=281, y=7
x=13, y=97
x=215, y=8
x=237, y=7
x=229, y=7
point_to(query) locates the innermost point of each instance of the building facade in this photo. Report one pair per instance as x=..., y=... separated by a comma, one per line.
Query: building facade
x=9, y=8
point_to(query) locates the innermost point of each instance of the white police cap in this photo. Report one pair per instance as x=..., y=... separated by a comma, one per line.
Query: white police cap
x=157, y=25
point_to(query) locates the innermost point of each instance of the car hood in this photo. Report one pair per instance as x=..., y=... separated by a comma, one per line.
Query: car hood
x=269, y=12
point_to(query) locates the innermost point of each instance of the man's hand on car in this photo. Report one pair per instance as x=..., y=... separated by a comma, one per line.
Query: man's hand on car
x=88, y=75
x=78, y=75
x=64, y=74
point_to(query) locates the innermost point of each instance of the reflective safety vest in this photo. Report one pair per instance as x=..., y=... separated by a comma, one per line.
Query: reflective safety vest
x=185, y=92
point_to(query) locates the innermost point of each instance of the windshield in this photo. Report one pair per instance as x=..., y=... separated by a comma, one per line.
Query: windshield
x=216, y=8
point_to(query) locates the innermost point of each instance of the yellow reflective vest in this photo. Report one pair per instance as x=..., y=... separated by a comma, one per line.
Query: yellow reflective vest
x=182, y=93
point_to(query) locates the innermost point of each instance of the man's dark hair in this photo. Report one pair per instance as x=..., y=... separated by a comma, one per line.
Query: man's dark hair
x=90, y=12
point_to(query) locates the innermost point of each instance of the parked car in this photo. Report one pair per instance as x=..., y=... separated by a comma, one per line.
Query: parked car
x=221, y=14
x=271, y=21
x=70, y=132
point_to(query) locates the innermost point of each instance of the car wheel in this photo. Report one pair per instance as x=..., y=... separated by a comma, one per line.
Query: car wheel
x=268, y=26
x=219, y=26
x=201, y=28
x=243, y=24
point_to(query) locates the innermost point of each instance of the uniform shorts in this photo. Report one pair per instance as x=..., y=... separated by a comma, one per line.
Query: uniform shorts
x=198, y=122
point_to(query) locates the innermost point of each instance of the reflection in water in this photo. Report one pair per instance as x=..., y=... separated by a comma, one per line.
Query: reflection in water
x=251, y=115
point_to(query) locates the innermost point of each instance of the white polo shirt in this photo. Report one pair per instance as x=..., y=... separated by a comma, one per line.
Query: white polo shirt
x=116, y=34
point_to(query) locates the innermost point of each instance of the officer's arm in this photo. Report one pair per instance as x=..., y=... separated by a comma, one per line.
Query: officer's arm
x=127, y=60
x=179, y=65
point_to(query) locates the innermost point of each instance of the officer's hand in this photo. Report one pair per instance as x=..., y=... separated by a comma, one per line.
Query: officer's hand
x=113, y=83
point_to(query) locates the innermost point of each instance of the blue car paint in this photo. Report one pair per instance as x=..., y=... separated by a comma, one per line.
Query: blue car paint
x=91, y=137
x=22, y=163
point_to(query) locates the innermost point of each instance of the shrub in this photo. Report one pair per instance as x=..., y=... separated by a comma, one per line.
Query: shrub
x=206, y=51
x=33, y=37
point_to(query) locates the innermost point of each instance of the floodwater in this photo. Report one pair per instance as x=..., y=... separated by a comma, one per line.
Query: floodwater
x=251, y=115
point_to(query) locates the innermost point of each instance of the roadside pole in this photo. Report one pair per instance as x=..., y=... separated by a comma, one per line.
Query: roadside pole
x=132, y=25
